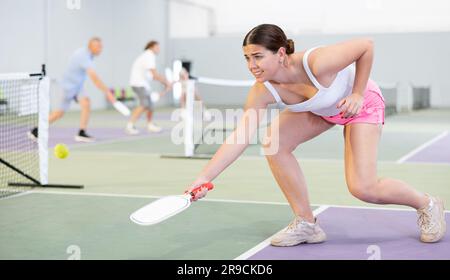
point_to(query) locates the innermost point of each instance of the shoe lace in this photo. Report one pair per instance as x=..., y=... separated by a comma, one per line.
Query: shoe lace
x=294, y=224
x=425, y=221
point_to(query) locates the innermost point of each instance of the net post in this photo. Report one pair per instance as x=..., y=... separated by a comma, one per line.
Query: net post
x=189, y=120
x=43, y=126
x=27, y=98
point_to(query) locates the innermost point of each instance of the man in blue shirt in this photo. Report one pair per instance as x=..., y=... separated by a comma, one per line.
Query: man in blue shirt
x=80, y=67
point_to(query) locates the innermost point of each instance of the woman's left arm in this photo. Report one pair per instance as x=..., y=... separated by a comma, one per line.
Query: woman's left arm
x=332, y=59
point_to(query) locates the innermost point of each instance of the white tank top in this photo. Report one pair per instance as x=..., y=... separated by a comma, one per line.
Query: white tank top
x=324, y=102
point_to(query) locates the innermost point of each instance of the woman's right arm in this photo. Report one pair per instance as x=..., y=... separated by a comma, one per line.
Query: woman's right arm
x=255, y=107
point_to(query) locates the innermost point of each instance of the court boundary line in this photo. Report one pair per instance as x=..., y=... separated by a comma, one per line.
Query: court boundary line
x=422, y=147
x=253, y=157
x=126, y=139
x=266, y=242
x=261, y=202
x=94, y=194
x=15, y=195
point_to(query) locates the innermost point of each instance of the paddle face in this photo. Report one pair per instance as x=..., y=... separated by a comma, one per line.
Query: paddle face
x=165, y=207
x=119, y=106
x=161, y=209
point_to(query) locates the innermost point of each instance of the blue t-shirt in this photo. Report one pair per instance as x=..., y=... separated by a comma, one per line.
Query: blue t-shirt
x=76, y=72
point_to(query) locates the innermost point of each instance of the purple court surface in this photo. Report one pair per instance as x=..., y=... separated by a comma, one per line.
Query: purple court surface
x=438, y=152
x=66, y=135
x=103, y=134
x=361, y=234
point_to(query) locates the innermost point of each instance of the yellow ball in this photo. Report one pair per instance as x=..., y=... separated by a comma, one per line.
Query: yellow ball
x=61, y=151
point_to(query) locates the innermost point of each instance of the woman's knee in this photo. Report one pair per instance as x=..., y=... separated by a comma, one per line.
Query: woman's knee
x=365, y=191
x=274, y=149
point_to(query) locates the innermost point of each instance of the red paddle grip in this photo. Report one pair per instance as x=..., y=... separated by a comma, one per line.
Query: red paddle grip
x=208, y=185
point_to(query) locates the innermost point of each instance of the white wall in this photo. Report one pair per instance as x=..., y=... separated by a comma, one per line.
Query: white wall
x=124, y=26
x=136, y=23
x=418, y=58
x=47, y=31
x=412, y=37
x=22, y=43
x=69, y=30
x=187, y=20
x=324, y=16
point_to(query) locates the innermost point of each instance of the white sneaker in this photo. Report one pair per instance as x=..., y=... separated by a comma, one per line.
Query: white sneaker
x=131, y=129
x=153, y=128
x=207, y=116
x=431, y=221
x=297, y=232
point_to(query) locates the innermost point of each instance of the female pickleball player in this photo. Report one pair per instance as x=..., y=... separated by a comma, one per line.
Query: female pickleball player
x=319, y=88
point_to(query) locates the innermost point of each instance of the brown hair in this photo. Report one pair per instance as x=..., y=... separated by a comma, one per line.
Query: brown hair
x=269, y=36
x=95, y=39
x=151, y=44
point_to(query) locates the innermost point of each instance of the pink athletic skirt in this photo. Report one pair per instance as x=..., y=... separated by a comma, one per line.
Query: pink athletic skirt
x=371, y=112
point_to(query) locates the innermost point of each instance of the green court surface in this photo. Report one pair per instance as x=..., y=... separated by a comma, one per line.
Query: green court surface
x=100, y=227
x=244, y=209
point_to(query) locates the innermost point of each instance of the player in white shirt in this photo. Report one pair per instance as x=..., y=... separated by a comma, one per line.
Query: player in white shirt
x=143, y=72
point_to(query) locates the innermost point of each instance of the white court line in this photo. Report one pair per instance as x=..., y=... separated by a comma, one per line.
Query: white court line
x=96, y=194
x=260, y=202
x=248, y=202
x=266, y=242
x=367, y=207
x=243, y=157
x=155, y=197
x=16, y=195
x=119, y=195
x=113, y=141
x=422, y=147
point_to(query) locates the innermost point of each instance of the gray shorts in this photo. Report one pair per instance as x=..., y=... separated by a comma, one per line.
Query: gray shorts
x=66, y=97
x=143, y=96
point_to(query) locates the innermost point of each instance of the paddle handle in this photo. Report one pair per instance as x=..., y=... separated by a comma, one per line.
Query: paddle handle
x=208, y=185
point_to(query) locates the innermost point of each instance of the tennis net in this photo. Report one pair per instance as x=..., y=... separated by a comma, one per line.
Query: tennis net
x=23, y=106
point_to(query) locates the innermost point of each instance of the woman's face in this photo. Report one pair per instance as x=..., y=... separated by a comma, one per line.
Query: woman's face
x=261, y=62
x=156, y=49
